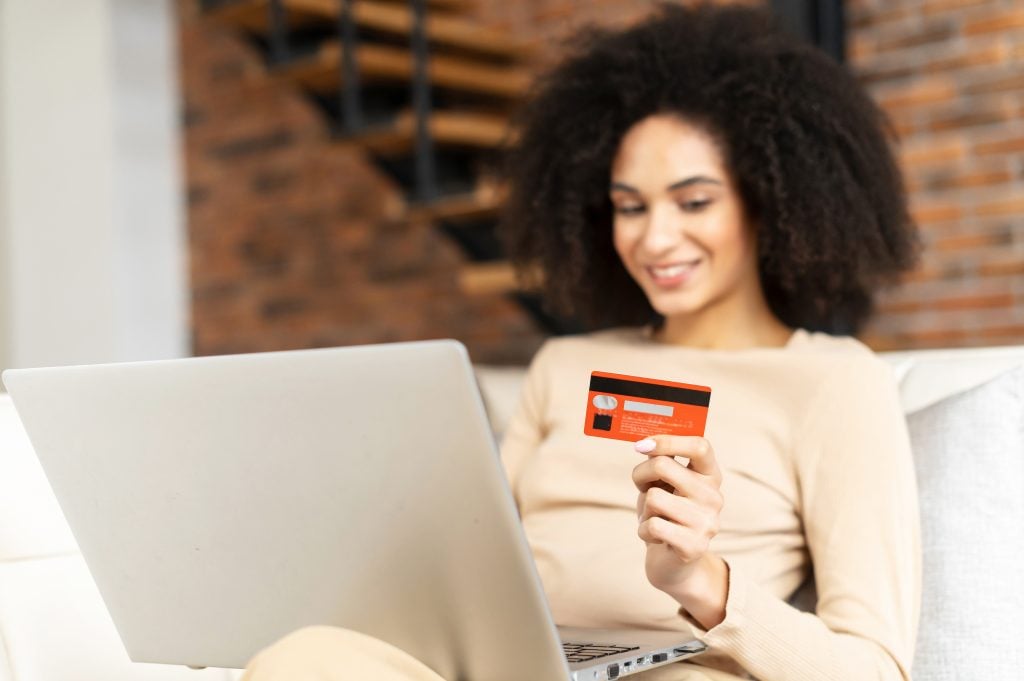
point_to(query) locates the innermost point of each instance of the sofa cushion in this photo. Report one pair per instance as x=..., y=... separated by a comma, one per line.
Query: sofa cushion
x=31, y=522
x=928, y=376
x=969, y=455
x=55, y=627
x=53, y=624
x=5, y=663
x=499, y=388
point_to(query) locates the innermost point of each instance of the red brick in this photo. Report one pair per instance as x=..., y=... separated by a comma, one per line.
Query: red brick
x=934, y=7
x=1008, y=335
x=967, y=241
x=882, y=342
x=997, y=300
x=904, y=126
x=1002, y=145
x=867, y=18
x=933, y=338
x=988, y=55
x=901, y=306
x=932, y=153
x=869, y=74
x=1004, y=83
x=859, y=47
x=923, y=93
x=1002, y=267
x=929, y=213
x=964, y=180
x=965, y=115
x=925, y=272
x=996, y=23
x=1013, y=206
x=932, y=32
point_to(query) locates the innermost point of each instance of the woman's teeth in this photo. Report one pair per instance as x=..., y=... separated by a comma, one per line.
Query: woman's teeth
x=673, y=270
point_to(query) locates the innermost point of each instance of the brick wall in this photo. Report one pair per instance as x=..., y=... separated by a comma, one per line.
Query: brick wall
x=951, y=74
x=295, y=244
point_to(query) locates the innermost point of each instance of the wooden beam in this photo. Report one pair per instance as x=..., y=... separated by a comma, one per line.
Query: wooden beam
x=486, y=279
x=495, y=278
x=448, y=128
x=458, y=208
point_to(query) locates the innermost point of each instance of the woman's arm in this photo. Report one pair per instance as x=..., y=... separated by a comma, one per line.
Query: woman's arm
x=858, y=498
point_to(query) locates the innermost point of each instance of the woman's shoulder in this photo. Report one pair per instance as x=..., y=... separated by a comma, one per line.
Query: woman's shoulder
x=837, y=346
x=840, y=350
x=848, y=377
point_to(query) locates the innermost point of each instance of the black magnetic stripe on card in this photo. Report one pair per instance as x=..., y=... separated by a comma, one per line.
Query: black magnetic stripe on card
x=651, y=391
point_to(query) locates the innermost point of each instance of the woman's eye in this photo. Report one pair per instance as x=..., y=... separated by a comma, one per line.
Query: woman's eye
x=694, y=206
x=629, y=210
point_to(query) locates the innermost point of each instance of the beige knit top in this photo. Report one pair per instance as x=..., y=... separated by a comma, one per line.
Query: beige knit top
x=817, y=470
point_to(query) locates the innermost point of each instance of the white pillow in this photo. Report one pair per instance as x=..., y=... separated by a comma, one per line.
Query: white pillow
x=969, y=456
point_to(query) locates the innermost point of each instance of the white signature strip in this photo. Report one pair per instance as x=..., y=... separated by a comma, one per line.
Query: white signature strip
x=648, y=408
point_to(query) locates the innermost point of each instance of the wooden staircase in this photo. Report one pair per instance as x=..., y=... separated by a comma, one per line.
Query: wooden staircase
x=472, y=77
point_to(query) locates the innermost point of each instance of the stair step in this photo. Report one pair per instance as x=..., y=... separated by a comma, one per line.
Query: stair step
x=486, y=279
x=319, y=72
x=458, y=208
x=383, y=17
x=447, y=128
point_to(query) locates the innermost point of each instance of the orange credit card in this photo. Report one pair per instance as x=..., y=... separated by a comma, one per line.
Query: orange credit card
x=624, y=407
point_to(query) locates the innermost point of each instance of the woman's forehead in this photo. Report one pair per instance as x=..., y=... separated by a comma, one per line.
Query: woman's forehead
x=665, y=146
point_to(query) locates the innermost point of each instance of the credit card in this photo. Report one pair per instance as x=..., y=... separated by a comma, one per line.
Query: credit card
x=624, y=407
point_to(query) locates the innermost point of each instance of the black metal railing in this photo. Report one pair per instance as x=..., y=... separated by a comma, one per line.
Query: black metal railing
x=426, y=164
x=278, y=23
x=351, y=105
x=821, y=22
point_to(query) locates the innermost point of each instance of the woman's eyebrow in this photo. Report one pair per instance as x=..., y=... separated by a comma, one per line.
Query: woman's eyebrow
x=622, y=186
x=696, y=179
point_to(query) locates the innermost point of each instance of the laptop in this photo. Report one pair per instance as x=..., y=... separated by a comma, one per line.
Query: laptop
x=223, y=502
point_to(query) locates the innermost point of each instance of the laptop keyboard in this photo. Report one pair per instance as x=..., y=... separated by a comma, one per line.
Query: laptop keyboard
x=584, y=652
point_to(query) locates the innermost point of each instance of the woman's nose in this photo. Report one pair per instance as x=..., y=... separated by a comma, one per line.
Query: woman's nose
x=662, y=231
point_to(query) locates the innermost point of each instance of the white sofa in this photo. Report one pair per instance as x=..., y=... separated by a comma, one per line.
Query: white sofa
x=54, y=626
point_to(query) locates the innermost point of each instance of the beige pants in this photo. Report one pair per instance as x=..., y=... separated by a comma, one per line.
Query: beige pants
x=333, y=654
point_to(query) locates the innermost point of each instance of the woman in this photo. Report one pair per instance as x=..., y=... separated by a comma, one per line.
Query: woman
x=720, y=200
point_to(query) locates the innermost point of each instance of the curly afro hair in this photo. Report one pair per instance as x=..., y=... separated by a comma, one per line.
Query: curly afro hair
x=803, y=141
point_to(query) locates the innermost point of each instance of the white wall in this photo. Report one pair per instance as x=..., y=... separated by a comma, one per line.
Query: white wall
x=5, y=303
x=92, y=240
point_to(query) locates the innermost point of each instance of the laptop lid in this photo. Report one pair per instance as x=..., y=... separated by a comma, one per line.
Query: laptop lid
x=222, y=502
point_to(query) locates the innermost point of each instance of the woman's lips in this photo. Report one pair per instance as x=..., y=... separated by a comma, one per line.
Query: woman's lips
x=670, y=276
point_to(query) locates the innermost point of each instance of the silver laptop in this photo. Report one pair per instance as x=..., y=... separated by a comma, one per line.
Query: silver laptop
x=223, y=502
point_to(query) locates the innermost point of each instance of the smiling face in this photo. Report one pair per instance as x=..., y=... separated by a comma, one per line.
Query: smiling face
x=679, y=223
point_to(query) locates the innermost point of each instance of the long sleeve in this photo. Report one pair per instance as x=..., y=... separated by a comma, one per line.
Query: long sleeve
x=859, y=505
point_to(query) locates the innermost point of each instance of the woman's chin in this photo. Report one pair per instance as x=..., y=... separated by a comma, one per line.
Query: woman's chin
x=672, y=306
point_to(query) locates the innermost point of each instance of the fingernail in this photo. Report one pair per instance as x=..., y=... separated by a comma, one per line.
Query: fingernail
x=645, y=445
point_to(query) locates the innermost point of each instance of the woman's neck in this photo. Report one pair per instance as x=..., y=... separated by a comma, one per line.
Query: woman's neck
x=742, y=330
